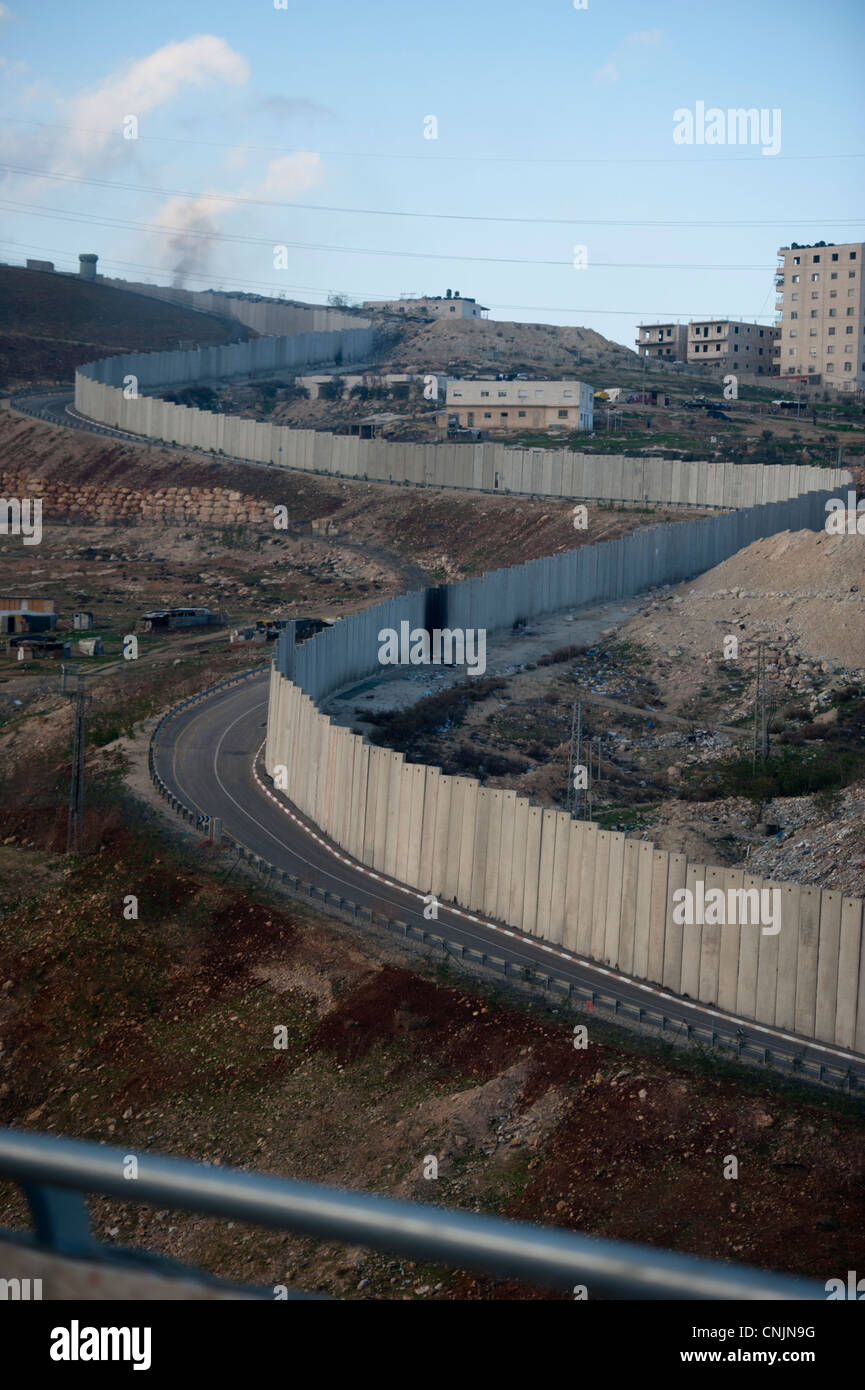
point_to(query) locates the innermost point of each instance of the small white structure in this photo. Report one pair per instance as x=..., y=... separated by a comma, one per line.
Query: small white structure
x=452, y=305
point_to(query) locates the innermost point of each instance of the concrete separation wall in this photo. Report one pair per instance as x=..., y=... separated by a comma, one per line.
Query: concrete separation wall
x=112, y=392
x=593, y=891
x=261, y=315
x=489, y=851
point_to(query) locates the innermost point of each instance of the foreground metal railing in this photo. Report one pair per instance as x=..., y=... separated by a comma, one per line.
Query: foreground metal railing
x=56, y=1173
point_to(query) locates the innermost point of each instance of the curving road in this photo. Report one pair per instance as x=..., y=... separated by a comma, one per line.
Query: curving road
x=208, y=756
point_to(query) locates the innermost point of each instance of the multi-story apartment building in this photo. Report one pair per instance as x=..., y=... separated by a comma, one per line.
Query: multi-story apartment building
x=731, y=345
x=519, y=405
x=668, y=341
x=821, y=321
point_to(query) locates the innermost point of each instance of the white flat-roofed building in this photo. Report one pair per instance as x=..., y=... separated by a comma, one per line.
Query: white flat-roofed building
x=437, y=306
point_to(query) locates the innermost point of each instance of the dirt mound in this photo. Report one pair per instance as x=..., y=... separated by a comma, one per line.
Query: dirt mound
x=486, y=344
x=805, y=588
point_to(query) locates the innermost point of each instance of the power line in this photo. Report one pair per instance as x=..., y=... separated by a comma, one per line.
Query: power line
x=427, y=158
x=642, y=314
x=244, y=201
x=89, y=219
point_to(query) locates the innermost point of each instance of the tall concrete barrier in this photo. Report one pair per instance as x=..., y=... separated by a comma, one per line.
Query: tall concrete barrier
x=122, y=392
x=601, y=895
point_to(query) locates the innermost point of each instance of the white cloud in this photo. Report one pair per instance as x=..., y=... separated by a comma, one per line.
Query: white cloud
x=645, y=36
x=142, y=86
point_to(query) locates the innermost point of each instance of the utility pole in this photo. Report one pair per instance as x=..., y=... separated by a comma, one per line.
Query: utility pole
x=76, y=782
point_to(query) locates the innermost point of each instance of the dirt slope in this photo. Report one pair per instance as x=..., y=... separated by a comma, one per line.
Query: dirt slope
x=49, y=324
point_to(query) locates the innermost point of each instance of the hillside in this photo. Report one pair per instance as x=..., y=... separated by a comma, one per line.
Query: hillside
x=51, y=323
x=160, y=1038
x=541, y=349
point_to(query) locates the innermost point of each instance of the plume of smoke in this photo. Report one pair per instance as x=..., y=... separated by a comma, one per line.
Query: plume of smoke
x=191, y=228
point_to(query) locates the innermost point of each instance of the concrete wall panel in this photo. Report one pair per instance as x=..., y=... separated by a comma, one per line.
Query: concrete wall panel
x=768, y=952
x=570, y=930
x=516, y=905
x=828, y=955
x=643, y=916
x=599, y=900
x=677, y=873
x=710, y=942
x=850, y=947
x=749, y=955
x=806, y=964
x=504, y=896
x=658, y=915
x=692, y=937
x=630, y=868
x=532, y=869
x=615, y=884
x=788, y=955
x=588, y=846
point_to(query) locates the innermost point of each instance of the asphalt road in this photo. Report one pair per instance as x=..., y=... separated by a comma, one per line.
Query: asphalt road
x=206, y=756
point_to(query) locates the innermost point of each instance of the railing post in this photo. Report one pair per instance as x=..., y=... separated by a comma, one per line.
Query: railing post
x=60, y=1218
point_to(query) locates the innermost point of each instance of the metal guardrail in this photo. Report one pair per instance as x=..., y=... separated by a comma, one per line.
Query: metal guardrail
x=644, y=1017
x=56, y=1173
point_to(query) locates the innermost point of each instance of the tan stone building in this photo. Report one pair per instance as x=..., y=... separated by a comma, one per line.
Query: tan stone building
x=731, y=345
x=668, y=341
x=820, y=310
x=510, y=406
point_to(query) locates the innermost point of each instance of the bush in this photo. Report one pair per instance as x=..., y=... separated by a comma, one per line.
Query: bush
x=332, y=390
x=786, y=772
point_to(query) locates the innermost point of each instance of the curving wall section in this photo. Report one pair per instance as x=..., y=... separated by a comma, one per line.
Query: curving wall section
x=596, y=892
x=488, y=467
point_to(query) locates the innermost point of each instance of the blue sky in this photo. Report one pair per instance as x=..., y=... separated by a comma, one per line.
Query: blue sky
x=544, y=112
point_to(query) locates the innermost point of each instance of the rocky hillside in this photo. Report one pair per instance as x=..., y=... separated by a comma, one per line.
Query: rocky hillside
x=540, y=349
